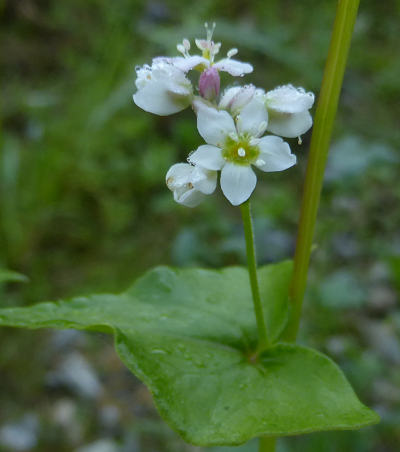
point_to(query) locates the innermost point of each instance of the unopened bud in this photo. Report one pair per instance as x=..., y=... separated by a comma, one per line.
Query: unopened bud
x=209, y=83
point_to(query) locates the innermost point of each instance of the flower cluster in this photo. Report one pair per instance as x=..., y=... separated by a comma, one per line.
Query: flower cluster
x=233, y=123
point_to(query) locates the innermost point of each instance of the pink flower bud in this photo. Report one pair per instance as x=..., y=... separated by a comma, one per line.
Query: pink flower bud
x=209, y=83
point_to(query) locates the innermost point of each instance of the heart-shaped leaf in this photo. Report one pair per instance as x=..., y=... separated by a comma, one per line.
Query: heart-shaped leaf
x=189, y=335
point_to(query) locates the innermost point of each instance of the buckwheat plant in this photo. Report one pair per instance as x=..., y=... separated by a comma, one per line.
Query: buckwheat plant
x=217, y=348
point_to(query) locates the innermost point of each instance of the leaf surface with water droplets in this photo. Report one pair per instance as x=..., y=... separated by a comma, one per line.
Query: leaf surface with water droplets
x=189, y=335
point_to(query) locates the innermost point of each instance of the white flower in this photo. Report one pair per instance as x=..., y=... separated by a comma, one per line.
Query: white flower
x=163, y=89
x=288, y=111
x=287, y=107
x=209, y=50
x=190, y=183
x=233, y=146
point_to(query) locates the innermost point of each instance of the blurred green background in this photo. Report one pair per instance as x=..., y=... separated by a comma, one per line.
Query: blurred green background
x=84, y=207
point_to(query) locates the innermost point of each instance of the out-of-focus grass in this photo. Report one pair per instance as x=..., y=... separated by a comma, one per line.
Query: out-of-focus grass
x=84, y=206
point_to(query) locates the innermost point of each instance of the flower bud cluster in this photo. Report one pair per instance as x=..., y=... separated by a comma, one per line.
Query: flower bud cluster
x=233, y=123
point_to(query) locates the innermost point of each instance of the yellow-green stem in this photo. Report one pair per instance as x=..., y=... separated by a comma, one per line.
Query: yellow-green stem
x=267, y=444
x=346, y=14
x=263, y=341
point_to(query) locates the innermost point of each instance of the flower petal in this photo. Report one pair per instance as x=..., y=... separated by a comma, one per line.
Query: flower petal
x=162, y=88
x=237, y=182
x=288, y=99
x=275, y=154
x=208, y=157
x=235, y=98
x=174, y=79
x=189, y=198
x=233, y=67
x=155, y=99
x=253, y=118
x=289, y=125
x=228, y=96
x=203, y=180
x=186, y=64
x=213, y=125
x=178, y=175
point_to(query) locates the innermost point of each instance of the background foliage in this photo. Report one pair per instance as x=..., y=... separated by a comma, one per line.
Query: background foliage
x=84, y=207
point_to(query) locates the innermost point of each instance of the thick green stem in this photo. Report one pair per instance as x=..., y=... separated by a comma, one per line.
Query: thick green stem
x=263, y=341
x=326, y=111
x=267, y=444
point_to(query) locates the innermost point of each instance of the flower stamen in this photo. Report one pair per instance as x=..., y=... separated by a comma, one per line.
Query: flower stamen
x=208, y=47
x=186, y=44
x=184, y=48
x=232, y=53
x=209, y=30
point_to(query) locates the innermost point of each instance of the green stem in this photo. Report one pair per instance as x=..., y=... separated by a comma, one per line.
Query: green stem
x=267, y=444
x=263, y=341
x=346, y=14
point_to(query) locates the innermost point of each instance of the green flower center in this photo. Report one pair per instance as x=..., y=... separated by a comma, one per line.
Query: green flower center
x=240, y=152
x=207, y=54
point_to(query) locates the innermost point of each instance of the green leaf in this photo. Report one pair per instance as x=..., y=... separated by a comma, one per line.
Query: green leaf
x=189, y=335
x=10, y=276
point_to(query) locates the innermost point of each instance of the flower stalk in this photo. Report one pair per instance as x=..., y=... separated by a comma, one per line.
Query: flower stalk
x=263, y=339
x=343, y=27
